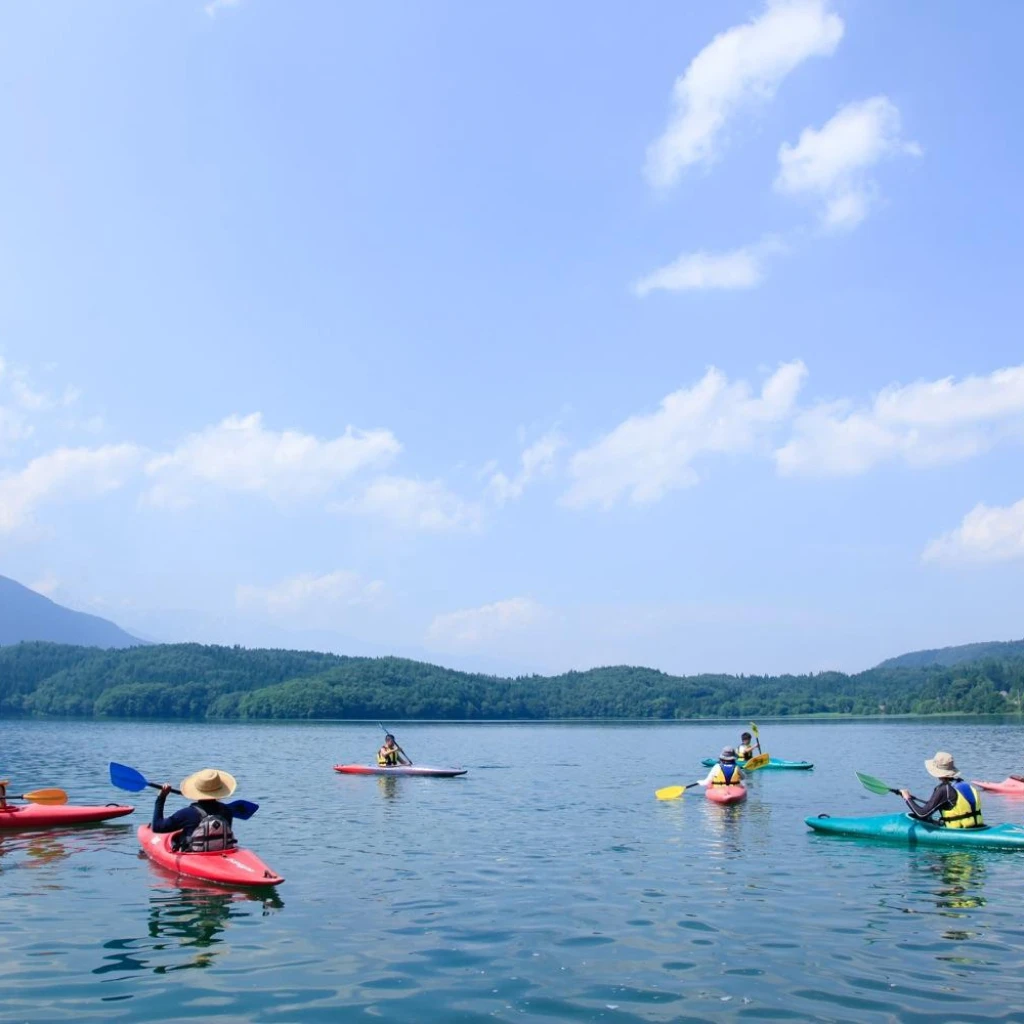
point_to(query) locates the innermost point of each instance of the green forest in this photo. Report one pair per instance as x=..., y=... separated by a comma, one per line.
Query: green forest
x=193, y=681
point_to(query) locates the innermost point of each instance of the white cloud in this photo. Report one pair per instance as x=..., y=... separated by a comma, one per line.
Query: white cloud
x=61, y=474
x=240, y=454
x=925, y=423
x=220, y=5
x=413, y=505
x=536, y=460
x=473, y=628
x=650, y=454
x=699, y=271
x=984, y=535
x=743, y=64
x=308, y=594
x=831, y=162
x=47, y=584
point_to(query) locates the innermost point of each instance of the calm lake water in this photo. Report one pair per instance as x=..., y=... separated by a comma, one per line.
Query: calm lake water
x=548, y=884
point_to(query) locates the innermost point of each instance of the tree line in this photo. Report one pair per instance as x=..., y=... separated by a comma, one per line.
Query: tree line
x=195, y=682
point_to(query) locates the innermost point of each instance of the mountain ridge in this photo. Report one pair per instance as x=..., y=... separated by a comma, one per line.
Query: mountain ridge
x=26, y=615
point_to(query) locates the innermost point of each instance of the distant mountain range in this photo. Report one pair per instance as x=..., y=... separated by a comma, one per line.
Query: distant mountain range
x=1001, y=649
x=26, y=615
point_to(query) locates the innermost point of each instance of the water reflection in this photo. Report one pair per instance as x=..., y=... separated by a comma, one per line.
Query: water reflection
x=186, y=928
x=388, y=786
x=41, y=847
x=960, y=879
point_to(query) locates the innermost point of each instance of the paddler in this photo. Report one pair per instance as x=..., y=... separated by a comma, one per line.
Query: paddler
x=725, y=772
x=391, y=753
x=745, y=751
x=205, y=825
x=957, y=802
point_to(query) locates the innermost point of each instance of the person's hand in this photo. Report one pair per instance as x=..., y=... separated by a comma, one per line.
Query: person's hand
x=905, y=793
x=165, y=789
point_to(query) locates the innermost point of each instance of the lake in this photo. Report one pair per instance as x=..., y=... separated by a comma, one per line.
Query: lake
x=547, y=885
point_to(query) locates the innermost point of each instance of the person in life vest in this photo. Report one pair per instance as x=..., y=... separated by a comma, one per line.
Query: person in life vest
x=726, y=772
x=204, y=825
x=957, y=802
x=391, y=753
x=745, y=751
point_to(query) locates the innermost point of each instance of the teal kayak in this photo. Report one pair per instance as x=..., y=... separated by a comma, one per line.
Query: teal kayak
x=902, y=828
x=773, y=762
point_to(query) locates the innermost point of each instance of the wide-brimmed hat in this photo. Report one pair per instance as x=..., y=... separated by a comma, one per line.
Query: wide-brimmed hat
x=208, y=784
x=942, y=766
x=727, y=754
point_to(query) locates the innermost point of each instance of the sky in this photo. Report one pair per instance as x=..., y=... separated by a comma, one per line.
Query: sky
x=517, y=337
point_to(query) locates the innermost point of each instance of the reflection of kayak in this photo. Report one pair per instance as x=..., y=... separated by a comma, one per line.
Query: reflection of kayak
x=773, y=762
x=726, y=794
x=901, y=828
x=1006, y=786
x=40, y=816
x=224, y=867
x=401, y=769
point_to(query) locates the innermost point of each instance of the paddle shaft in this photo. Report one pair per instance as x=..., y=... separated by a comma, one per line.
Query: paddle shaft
x=397, y=747
x=757, y=735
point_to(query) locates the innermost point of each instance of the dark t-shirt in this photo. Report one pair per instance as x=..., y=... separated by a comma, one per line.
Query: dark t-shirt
x=187, y=818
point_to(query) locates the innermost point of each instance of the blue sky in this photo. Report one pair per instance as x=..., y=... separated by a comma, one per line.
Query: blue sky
x=517, y=338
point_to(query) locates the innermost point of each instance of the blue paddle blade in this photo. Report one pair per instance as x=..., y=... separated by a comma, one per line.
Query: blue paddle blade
x=126, y=778
x=243, y=809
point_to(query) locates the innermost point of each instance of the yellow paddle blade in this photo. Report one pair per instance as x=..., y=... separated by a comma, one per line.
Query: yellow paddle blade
x=756, y=762
x=670, y=792
x=753, y=728
x=46, y=796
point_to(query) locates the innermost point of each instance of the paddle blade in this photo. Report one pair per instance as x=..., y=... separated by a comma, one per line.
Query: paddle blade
x=46, y=796
x=243, y=809
x=873, y=785
x=127, y=778
x=756, y=762
x=670, y=792
x=753, y=728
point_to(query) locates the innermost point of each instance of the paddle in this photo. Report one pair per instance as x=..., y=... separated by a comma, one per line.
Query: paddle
x=757, y=736
x=673, y=792
x=758, y=761
x=397, y=747
x=873, y=785
x=40, y=796
x=134, y=781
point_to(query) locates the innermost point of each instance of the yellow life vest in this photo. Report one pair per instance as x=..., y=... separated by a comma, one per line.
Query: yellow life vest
x=744, y=753
x=966, y=812
x=386, y=758
x=718, y=777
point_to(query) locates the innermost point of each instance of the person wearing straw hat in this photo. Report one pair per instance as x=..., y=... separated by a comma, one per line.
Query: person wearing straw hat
x=205, y=825
x=726, y=772
x=957, y=802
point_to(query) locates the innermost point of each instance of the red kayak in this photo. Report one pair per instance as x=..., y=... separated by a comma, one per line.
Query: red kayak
x=223, y=867
x=43, y=816
x=726, y=794
x=1006, y=786
x=399, y=770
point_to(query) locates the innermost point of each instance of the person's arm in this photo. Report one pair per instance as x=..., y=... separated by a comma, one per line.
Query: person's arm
x=936, y=802
x=178, y=820
x=706, y=781
x=402, y=759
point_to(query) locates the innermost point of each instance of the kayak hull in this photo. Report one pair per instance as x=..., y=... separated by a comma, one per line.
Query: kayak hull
x=404, y=769
x=773, y=762
x=726, y=794
x=237, y=867
x=29, y=816
x=1010, y=786
x=901, y=828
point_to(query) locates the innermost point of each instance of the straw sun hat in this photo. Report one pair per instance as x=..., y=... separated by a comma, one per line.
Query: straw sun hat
x=727, y=754
x=208, y=784
x=942, y=766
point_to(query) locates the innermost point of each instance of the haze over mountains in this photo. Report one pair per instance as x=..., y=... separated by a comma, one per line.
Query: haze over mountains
x=26, y=615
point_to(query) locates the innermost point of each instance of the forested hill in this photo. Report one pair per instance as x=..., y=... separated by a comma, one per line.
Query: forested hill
x=1003, y=650
x=195, y=682
x=26, y=615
